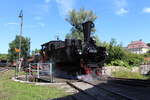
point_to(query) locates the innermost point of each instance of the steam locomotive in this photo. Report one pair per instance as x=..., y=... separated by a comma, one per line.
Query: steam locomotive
x=73, y=55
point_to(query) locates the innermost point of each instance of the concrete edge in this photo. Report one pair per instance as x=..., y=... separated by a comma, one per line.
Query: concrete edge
x=35, y=83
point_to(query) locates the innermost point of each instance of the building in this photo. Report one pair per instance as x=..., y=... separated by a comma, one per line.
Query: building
x=138, y=47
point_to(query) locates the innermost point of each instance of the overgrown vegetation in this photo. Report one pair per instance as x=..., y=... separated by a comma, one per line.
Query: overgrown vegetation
x=146, y=54
x=35, y=51
x=128, y=74
x=3, y=56
x=119, y=56
x=10, y=90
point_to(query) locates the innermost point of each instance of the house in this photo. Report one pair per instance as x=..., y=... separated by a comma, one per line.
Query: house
x=138, y=47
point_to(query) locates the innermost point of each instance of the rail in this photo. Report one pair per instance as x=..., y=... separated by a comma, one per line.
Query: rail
x=123, y=96
x=103, y=92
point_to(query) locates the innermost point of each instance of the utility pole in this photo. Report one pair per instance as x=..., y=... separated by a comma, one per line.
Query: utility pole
x=21, y=25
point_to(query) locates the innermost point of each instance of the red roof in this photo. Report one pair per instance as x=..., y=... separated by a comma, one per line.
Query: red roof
x=137, y=44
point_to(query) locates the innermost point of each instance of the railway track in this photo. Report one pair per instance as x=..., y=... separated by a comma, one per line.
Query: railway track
x=91, y=91
x=82, y=94
x=3, y=69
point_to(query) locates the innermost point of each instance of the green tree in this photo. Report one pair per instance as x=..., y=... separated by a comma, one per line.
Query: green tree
x=134, y=59
x=35, y=51
x=117, y=55
x=25, y=48
x=76, y=18
x=147, y=54
x=115, y=51
x=98, y=42
x=3, y=56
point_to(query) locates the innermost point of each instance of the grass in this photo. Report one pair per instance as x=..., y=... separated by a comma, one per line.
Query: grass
x=129, y=74
x=10, y=90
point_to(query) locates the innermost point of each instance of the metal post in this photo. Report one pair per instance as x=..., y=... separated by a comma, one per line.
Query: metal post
x=26, y=76
x=38, y=76
x=29, y=69
x=21, y=25
x=15, y=70
x=50, y=70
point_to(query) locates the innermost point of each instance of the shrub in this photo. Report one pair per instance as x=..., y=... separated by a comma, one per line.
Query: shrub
x=134, y=59
x=119, y=63
x=119, y=56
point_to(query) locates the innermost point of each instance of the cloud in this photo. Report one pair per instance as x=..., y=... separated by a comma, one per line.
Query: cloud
x=122, y=11
x=65, y=5
x=47, y=1
x=11, y=23
x=121, y=7
x=146, y=10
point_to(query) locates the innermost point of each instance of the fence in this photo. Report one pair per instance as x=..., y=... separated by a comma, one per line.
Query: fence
x=41, y=71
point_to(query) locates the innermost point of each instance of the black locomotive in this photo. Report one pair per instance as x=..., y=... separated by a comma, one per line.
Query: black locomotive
x=73, y=55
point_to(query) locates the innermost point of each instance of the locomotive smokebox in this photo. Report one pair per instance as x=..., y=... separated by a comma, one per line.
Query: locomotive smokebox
x=87, y=27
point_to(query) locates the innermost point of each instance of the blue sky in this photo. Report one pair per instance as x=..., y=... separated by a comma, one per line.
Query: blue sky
x=124, y=20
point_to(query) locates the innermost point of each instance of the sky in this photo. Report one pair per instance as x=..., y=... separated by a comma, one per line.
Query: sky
x=44, y=20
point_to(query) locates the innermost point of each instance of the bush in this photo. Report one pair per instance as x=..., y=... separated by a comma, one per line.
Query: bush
x=119, y=56
x=119, y=63
x=146, y=55
x=134, y=59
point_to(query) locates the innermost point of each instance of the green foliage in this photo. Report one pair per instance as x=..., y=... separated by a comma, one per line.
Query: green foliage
x=133, y=59
x=128, y=74
x=119, y=56
x=75, y=35
x=25, y=48
x=146, y=55
x=119, y=63
x=98, y=42
x=3, y=56
x=115, y=51
x=76, y=18
x=35, y=51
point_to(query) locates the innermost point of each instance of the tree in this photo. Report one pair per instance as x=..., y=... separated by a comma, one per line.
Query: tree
x=98, y=42
x=76, y=18
x=25, y=48
x=34, y=52
x=3, y=56
x=115, y=51
x=117, y=55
